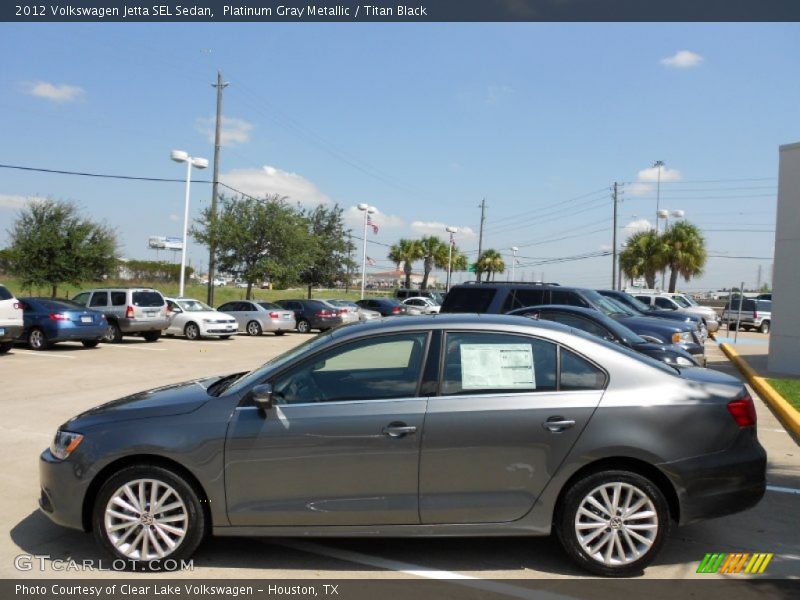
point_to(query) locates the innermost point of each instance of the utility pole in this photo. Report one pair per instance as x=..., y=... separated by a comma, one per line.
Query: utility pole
x=614, y=243
x=758, y=280
x=349, y=260
x=212, y=246
x=480, y=237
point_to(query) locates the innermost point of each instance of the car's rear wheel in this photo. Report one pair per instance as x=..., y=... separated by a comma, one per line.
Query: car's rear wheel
x=303, y=326
x=5, y=347
x=279, y=332
x=37, y=340
x=191, y=331
x=224, y=337
x=151, y=336
x=113, y=333
x=90, y=343
x=147, y=513
x=253, y=328
x=764, y=327
x=613, y=523
x=731, y=326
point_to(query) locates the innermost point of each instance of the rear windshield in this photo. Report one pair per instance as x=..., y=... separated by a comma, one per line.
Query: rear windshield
x=148, y=299
x=5, y=294
x=750, y=305
x=60, y=305
x=469, y=300
x=270, y=306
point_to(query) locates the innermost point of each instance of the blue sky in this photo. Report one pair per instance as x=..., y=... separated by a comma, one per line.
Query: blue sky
x=421, y=121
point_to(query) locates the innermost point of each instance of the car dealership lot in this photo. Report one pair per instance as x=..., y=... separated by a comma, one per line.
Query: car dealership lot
x=43, y=389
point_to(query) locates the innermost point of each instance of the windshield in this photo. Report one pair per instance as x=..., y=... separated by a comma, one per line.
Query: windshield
x=690, y=300
x=605, y=305
x=193, y=306
x=681, y=301
x=623, y=308
x=625, y=350
x=258, y=374
x=635, y=302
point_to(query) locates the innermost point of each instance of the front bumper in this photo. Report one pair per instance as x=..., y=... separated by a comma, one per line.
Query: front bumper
x=209, y=329
x=722, y=483
x=62, y=491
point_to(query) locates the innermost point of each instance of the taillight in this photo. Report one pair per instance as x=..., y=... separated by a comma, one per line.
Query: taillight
x=743, y=411
x=129, y=312
x=324, y=313
x=755, y=315
x=396, y=310
x=17, y=306
x=342, y=311
x=274, y=315
x=58, y=317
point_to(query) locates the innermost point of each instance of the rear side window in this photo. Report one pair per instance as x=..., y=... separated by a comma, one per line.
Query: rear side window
x=227, y=307
x=579, y=374
x=469, y=300
x=118, y=299
x=764, y=305
x=645, y=299
x=5, y=294
x=520, y=298
x=148, y=299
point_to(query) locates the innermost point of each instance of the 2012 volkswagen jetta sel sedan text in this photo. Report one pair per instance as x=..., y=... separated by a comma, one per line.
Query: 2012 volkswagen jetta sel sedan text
x=468, y=425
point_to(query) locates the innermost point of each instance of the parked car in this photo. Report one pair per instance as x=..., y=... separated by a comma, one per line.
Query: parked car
x=425, y=305
x=596, y=323
x=647, y=310
x=385, y=306
x=364, y=314
x=11, y=321
x=195, y=320
x=499, y=297
x=764, y=297
x=348, y=313
x=129, y=311
x=681, y=303
x=754, y=314
x=312, y=314
x=403, y=294
x=257, y=317
x=50, y=320
x=456, y=425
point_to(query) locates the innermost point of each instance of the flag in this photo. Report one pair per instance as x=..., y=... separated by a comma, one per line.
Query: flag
x=370, y=261
x=371, y=223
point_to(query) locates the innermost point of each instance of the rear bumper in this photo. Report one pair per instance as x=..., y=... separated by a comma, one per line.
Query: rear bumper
x=720, y=484
x=279, y=325
x=10, y=332
x=325, y=322
x=141, y=325
x=79, y=333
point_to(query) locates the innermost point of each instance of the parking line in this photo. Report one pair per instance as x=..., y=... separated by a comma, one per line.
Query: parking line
x=783, y=490
x=425, y=572
x=43, y=354
x=133, y=348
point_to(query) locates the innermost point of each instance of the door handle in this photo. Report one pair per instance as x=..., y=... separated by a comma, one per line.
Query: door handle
x=558, y=424
x=398, y=430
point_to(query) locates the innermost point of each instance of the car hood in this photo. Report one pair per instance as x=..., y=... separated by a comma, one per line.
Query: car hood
x=176, y=399
x=653, y=323
x=207, y=314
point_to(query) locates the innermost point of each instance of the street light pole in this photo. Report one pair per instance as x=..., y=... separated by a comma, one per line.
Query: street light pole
x=514, y=251
x=658, y=164
x=367, y=211
x=198, y=163
x=451, y=231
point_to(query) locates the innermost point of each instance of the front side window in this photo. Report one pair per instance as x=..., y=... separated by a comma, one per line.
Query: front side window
x=228, y=307
x=665, y=303
x=99, y=299
x=369, y=369
x=5, y=294
x=480, y=363
x=525, y=297
x=577, y=323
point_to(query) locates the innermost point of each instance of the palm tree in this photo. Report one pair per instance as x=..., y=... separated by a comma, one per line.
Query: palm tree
x=685, y=252
x=490, y=262
x=643, y=256
x=434, y=254
x=406, y=252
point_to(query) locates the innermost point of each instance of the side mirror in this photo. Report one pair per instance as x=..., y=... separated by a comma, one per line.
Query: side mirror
x=262, y=396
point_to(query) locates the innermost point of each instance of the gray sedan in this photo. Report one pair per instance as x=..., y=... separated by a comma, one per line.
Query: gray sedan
x=258, y=317
x=472, y=425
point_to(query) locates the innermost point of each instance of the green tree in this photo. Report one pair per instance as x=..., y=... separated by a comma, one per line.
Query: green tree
x=405, y=252
x=257, y=238
x=644, y=256
x=685, y=252
x=434, y=254
x=329, y=252
x=51, y=244
x=490, y=262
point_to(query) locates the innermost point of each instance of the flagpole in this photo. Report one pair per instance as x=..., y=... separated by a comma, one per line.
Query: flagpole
x=451, y=231
x=367, y=210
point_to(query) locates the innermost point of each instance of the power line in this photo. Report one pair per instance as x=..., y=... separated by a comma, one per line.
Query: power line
x=527, y=212
x=101, y=175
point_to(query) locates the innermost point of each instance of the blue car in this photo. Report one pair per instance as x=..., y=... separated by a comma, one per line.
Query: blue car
x=47, y=321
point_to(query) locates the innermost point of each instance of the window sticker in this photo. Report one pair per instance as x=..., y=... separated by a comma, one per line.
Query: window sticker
x=497, y=366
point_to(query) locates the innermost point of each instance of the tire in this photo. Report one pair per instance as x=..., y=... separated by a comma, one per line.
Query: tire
x=253, y=328
x=5, y=347
x=113, y=333
x=191, y=331
x=604, y=558
x=731, y=326
x=280, y=332
x=37, y=340
x=764, y=327
x=151, y=336
x=303, y=326
x=90, y=343
x=186, y=520
x=224, y=337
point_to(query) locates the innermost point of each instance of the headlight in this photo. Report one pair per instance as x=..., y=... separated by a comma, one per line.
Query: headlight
x=685, y=336
x=65, y=443
x=682, y=361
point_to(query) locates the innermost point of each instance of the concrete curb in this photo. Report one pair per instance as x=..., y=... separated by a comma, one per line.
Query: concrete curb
x=789, y=417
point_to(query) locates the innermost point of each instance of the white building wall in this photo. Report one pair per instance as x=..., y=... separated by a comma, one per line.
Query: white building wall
x=784, y=347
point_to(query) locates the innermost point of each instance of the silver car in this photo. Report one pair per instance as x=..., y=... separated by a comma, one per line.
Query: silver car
x=194, y=320
x=257, y=317
x=348, y=314
x=364, y=314
x=444, y=425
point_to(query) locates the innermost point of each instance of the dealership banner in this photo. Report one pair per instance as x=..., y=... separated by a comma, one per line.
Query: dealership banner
x=400, y=11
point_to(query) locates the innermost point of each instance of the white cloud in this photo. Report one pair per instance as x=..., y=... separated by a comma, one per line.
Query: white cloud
x=683, y=59
x=16, y=201
x=174, y=218
x=647, y=179
x=638, y=225
x=354, y=219
x=438, y=229
x=605, y=248
x=233, y=131
x=56, y=93
x=271, y=180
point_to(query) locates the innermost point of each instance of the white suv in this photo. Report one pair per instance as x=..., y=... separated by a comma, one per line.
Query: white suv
x=10, y=319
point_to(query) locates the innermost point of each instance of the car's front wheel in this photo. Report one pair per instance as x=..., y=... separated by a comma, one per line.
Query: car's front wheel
x=147, y=513
x=5, y=347
x=113, y=333
x=90, y=343
x=613, y=523
x=303, y=326
x=151, y=336
x=191, y=331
